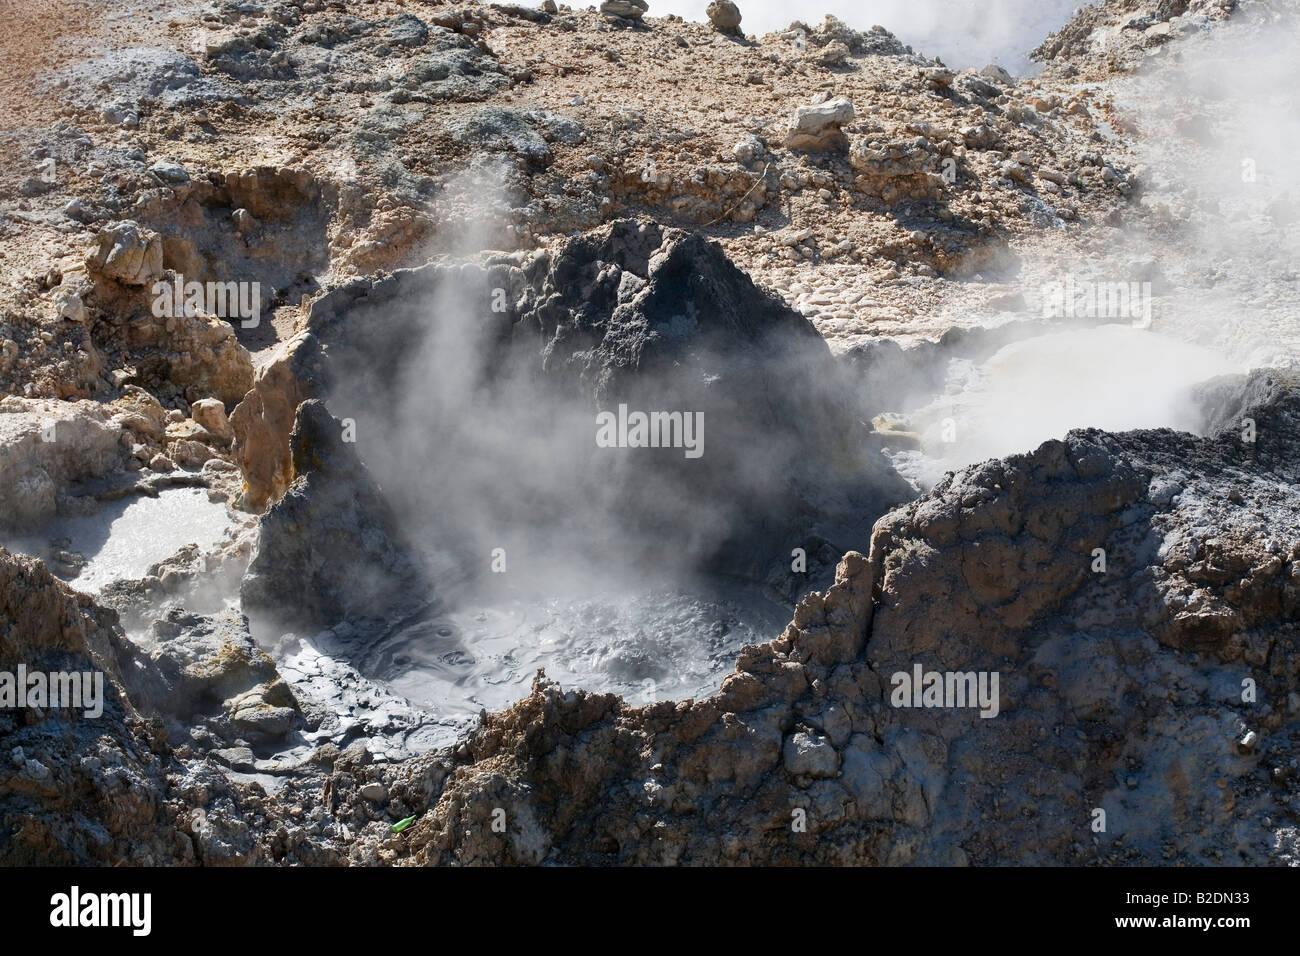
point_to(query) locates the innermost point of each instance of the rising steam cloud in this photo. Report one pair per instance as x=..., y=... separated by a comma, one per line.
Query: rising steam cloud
x=483, y=430
x=961, y=34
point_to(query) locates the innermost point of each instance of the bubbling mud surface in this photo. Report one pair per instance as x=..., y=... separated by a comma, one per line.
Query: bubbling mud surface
x=650, y=645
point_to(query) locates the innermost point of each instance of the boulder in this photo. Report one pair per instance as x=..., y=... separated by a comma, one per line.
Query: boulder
x=998, y=75
x=128, y=253
x=834, y=54
x=211, y=415
x=894, y=171
x=817, y=128
x=625, y=9
x=724, y=15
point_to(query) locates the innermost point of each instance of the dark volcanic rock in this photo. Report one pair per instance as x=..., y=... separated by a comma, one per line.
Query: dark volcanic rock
x=206, y=671
x=141, y=783
x=75, y=789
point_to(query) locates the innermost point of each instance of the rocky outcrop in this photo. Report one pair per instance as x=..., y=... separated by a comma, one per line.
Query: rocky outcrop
x=1119, y=34
x=896, y=170
x=127, y=253
x=61, y=458
x=153, y=777
x=172, y=350
x=206, y=677
x=75, y=789
x=261, y=424
x=258, y=235
x=46, y=447
x=198, y=352
x=818, y=128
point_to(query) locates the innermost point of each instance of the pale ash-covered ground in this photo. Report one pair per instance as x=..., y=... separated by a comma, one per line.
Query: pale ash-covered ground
x=646, y=119
x=641, y=120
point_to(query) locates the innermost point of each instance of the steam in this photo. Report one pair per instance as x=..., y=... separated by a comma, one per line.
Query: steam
x=1211, y=237
x=473, y=455
x=1219, y=132
x=1113, y=377
x=499, y=461
x=546, y=547
x=961, y=34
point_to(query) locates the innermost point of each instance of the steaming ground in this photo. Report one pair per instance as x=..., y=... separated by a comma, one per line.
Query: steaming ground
x=1218, y=133
x=1222, y=251
x=1113, y=377
x=962, y=35
x=1216, y=234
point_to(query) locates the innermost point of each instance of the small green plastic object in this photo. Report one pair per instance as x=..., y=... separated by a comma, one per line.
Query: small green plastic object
x=401, y=825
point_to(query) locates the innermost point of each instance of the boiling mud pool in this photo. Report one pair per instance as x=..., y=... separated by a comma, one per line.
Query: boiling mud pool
x=666, y=644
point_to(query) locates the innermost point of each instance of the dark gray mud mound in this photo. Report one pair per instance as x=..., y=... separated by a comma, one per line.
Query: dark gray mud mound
x=476, y=393
x=330, y=550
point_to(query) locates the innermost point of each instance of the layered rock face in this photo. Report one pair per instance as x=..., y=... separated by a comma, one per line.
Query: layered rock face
x=1137, y=597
